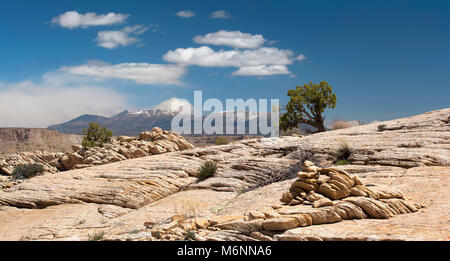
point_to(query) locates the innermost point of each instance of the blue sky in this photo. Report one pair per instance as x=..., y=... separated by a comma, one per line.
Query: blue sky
x=384, y=59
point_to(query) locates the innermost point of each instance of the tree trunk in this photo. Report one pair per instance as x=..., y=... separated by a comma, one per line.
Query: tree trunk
x=320, y=127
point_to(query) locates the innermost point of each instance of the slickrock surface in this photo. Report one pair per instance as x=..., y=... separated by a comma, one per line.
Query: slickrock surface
x=422, y=140
x=152, y=142
x=159, y=198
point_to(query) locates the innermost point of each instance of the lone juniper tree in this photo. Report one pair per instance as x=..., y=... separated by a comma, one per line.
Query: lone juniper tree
x=307, y=104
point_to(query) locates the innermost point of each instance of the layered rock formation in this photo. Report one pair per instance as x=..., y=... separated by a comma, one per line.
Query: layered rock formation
x=318, y=196
x=14, y=140
x=152, y=142
x=158, y=197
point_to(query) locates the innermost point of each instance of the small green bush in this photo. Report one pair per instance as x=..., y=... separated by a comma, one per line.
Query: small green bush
x=344, y=152
x=96, y=236
x=343, y=162
x=221, y=141
x=27, y=171
x=95, y=136
x=189, y=235
x=206, y=170
x=381, y=127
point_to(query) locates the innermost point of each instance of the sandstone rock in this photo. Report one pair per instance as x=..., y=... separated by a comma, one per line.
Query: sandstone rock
x=76, y=148
x=287, y=197
x=283, y=223
x=124, y=148
x=323, y=202
x=409, y=142
x=295, y=202
x=256, y=215
x=259, y=236
x=148, y=186
x=179, y=218
x=334, y=190
x=126, y=138
x=223, y=219
x=201, y=223
x=371, y=207
x=313, y=196
x=324, y=216
x=245, y=227
x=304, y=220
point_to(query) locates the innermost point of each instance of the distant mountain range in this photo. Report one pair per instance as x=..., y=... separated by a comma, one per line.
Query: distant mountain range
x=133, y=123
x=124, y=123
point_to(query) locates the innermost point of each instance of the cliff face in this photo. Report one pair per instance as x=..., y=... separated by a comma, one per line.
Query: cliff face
x=29, y=139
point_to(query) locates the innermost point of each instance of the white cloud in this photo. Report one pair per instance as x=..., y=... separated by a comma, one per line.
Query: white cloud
x=262, y=70
x=301, y=57
x=56, y=98
x=235, y=39
x=142, y=73
x=261, y=61
x=114, y=39
x=174, y=105
x=220, y=14
x=73, y=19
x=207, y=57
x=186, y=13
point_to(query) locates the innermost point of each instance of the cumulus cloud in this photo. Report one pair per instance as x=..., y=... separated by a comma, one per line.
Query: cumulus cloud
x=220, y=14
x=262, y=70
x=186, y=13
x=124, y=37
x=56, y=98
x=175, y=105
x=142, y=73
x=235, y=39
x=261, y=61
x=73, y=19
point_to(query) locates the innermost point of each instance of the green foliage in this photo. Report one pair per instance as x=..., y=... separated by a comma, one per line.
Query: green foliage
x=95, y=136
x=307, y=104
x=189, y=235
x=221, y=141
x=206, y=170
x=381, y=127
x=156, y=234
x=343, y=153
x=27, y=171
x=343, y=162
x=96, y=236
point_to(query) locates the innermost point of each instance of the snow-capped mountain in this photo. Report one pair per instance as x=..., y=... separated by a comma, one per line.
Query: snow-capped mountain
x=133, y=123
x=123, y=123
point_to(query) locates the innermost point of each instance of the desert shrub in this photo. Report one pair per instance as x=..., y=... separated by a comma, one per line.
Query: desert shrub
x=189, y=235
x=207, y=170
x=95, y=136
x=290, y=131
x=156, y=234
x=381, y=127
x=26, y=171
x=343, y=162
x=221, y=141
x=339, y=124
x=96, y=236
x=343, y=152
